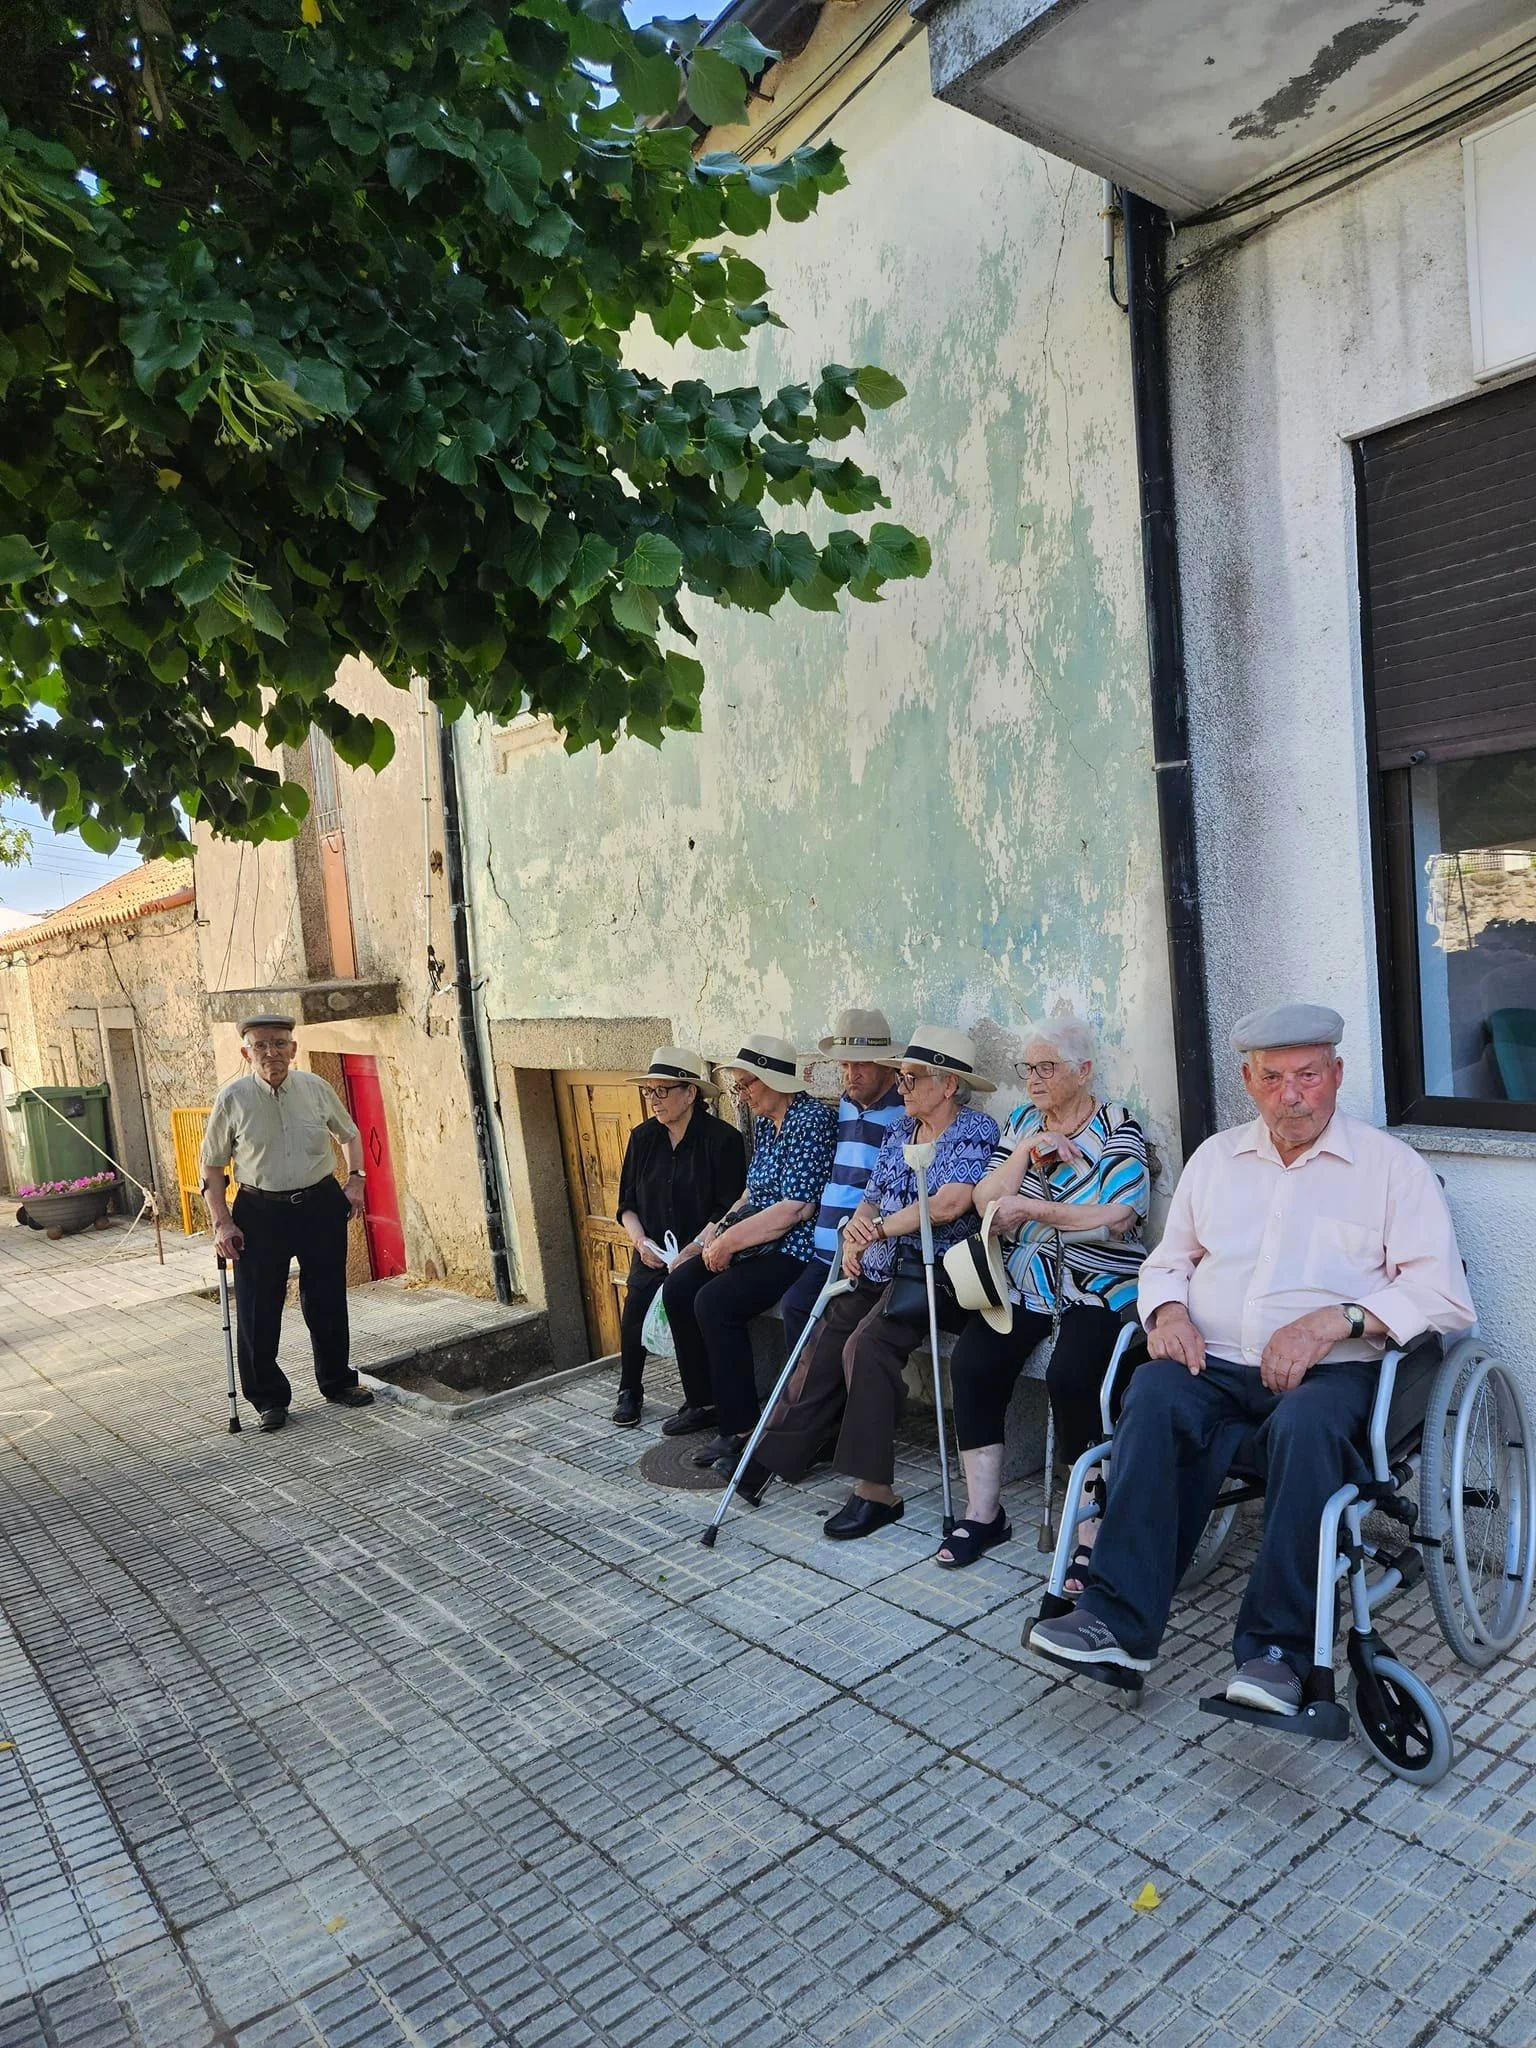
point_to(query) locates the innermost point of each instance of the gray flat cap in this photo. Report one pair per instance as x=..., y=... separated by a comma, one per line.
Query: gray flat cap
x=265, y=1022
x=1287, y=1024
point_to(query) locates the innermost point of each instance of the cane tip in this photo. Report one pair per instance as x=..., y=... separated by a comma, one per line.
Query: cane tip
x=234, y=1425
x=708, y=1538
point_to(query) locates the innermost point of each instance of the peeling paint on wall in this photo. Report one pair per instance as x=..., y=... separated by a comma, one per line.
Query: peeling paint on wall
x=942, y=804
x=1299, y=96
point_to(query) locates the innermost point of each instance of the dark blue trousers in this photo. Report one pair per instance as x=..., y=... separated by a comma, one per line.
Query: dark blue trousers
x=801, y=1299
x=1174, y=1443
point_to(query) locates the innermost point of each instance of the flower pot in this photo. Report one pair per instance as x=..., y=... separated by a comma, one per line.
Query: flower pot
x=62, y=1215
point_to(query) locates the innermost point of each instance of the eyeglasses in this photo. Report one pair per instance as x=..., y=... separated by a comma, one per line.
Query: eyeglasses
x=1037, y=1070
x=665, y=1088
x=905, y=1081
x=259, y=1045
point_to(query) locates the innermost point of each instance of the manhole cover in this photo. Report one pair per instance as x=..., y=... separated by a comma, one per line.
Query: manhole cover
x=670, y=1463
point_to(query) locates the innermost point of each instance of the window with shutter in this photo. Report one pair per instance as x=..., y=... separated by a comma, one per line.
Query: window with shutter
x=1447, y=509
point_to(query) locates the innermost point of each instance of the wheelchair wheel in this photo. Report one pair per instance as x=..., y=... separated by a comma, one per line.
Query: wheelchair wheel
x=1409, y=1735
x=1477, y=1486
x=1210, y=1549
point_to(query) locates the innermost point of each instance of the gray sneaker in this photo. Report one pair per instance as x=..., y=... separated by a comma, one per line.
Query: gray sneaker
x=1267, y=1683
x=1079, y=1638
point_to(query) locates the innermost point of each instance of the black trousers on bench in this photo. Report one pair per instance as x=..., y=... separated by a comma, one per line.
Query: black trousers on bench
x=711, y=1316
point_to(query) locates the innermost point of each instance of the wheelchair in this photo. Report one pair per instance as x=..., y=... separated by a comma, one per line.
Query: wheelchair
x=1452, y=1458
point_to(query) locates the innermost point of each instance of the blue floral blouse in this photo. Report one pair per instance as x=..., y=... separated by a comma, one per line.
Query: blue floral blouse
x=964, y=1153
x=792, y=1163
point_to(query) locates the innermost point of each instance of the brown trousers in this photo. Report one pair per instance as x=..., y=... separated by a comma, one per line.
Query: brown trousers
x=852, y=1368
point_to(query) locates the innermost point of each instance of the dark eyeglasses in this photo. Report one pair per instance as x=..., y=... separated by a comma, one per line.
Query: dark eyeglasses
x=655, y=1093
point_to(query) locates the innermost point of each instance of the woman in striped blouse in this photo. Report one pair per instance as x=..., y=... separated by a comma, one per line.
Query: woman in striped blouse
x=1065, y=1162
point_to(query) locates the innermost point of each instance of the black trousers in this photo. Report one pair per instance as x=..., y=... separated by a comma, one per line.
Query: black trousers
x=1174, y=1442
x=711, y=1314
x=640, y=1291
x=986, y=1367
x=276, y=1233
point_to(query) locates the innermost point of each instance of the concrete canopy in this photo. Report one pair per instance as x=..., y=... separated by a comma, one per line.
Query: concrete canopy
x=1189, y=101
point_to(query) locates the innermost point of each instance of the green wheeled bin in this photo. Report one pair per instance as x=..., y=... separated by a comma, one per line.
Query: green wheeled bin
x=49, y=1129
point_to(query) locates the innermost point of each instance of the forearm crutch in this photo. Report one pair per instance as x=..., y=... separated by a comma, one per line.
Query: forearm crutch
x=834, y=1284
x=920, y=1158
x=229, y=1345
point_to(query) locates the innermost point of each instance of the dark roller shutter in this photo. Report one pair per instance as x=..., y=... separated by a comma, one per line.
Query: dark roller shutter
x=1450, y=580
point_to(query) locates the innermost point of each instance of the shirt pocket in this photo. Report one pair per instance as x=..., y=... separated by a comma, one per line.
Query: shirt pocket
x=1343, y=1259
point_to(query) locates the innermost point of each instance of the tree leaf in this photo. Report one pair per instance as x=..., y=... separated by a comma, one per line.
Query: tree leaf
x=99, y=836
x=648, y=85
x=878, y=387
x=717, y=92
x=737, y=44
x=19, y=560
x=654, y=561
x=590, y=566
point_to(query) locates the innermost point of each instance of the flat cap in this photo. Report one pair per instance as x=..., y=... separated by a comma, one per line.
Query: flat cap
x=1287, y=1024
x=265, y=1021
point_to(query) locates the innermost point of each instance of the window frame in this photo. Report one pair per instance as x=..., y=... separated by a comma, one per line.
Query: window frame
x=1395, y=894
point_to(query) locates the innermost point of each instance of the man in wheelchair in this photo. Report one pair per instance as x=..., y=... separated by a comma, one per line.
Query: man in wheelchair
x=1297, y=1247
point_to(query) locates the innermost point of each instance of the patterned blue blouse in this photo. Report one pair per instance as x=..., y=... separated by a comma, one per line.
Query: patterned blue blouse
x=792, y=1163
x=1113, y=1168
x=963, y=1153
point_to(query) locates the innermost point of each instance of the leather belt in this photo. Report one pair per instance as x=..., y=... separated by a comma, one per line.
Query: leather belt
x=290, y=1195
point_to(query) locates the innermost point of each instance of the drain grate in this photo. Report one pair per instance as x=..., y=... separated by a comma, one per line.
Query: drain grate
x=670, y=1463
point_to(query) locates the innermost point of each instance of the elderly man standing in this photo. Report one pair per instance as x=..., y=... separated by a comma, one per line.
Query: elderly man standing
x=871, y=1103
x=275, y=1123
x=1297, y=1247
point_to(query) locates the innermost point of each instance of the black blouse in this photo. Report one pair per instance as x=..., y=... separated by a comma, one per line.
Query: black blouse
x=682, y=1187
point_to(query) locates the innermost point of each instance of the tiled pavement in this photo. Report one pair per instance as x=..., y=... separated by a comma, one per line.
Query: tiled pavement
x=376, y=1732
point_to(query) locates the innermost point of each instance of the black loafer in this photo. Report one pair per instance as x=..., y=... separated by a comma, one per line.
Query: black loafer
x=858, y=1517
x=721, y=1449
x=351, y=1397
x=688, y=1421
x=273, y=1418
x=626, y=1410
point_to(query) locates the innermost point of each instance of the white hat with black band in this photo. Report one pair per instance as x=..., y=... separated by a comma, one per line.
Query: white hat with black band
x=942, y=1051
x=676, y=1063
x=773, y=1061
x=979, y=1277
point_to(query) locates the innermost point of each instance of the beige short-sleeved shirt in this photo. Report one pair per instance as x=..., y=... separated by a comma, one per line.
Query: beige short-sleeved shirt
x=278, y=1138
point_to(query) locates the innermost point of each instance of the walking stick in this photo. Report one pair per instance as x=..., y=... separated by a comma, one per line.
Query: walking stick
x=834, y=1284
x=920, y=1158
x=229, y=1344
x=1045, y=1535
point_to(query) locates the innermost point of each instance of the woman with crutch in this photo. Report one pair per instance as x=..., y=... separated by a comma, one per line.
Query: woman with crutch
x=682, y=1170
x=856, y=1364
x=1070, y=1184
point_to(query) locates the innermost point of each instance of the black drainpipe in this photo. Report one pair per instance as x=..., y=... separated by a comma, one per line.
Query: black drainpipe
x=1146, y=235
x=469, y=1036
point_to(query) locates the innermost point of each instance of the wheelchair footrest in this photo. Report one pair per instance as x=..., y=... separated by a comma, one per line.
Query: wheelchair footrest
x=1321, y=1721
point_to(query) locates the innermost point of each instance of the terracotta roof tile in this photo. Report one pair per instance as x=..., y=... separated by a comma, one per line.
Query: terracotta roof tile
x=157, y=885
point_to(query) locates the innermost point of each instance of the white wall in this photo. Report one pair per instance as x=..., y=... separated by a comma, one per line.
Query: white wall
x=1347, y=317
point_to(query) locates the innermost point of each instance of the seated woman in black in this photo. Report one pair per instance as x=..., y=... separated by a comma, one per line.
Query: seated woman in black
x=682, y=1169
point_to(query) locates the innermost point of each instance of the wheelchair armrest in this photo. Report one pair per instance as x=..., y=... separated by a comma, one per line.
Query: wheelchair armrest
x=1130, y=1349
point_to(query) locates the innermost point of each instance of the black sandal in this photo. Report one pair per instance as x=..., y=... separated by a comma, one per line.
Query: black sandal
x=967, y=1540
x=1081, y=1561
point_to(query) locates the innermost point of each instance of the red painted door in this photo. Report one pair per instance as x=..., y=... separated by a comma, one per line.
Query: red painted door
x=381, y=1211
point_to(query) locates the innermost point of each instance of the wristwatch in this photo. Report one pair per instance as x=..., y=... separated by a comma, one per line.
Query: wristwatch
x=1354, y=1315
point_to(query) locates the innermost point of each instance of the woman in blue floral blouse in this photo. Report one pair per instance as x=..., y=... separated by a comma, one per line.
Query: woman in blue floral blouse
x=754, y=1254
x=853, y=1368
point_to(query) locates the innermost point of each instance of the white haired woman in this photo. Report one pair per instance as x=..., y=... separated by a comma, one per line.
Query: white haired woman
x=1066, y=1161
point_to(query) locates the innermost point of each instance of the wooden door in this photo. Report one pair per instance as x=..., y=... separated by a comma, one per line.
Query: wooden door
x=597, y=1113
x=381, y=1204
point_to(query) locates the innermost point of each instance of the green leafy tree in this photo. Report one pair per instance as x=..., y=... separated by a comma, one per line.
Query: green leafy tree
x=312, y=317
x=15, y=846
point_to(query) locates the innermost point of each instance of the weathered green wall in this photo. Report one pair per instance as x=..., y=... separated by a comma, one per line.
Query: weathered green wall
x=942, y=803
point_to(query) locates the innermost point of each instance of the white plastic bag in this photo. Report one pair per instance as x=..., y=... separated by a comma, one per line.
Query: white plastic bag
x=656, y=1331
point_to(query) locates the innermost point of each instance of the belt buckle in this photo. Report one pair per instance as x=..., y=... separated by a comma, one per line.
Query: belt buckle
x=296, y=1197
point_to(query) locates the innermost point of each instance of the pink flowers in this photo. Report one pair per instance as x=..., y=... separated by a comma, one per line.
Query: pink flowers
x=84, y=1186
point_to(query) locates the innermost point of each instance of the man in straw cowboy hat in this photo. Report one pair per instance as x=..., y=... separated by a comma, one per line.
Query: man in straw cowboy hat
x=275, y=1123
x=854, y=1366
x=869, y=1105
x=746, y=1262
x=682, y=1170
x=1297, y=1247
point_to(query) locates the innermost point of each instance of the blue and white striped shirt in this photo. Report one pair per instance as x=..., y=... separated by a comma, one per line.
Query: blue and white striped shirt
x=860, y=1134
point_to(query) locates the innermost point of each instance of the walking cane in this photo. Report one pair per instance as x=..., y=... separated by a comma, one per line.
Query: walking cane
x=229, y=1344
x=834, y=1284
x=1045, y=1535
x=920, y=1158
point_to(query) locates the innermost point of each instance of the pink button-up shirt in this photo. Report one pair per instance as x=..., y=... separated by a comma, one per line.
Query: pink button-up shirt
x=1251, y=1244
